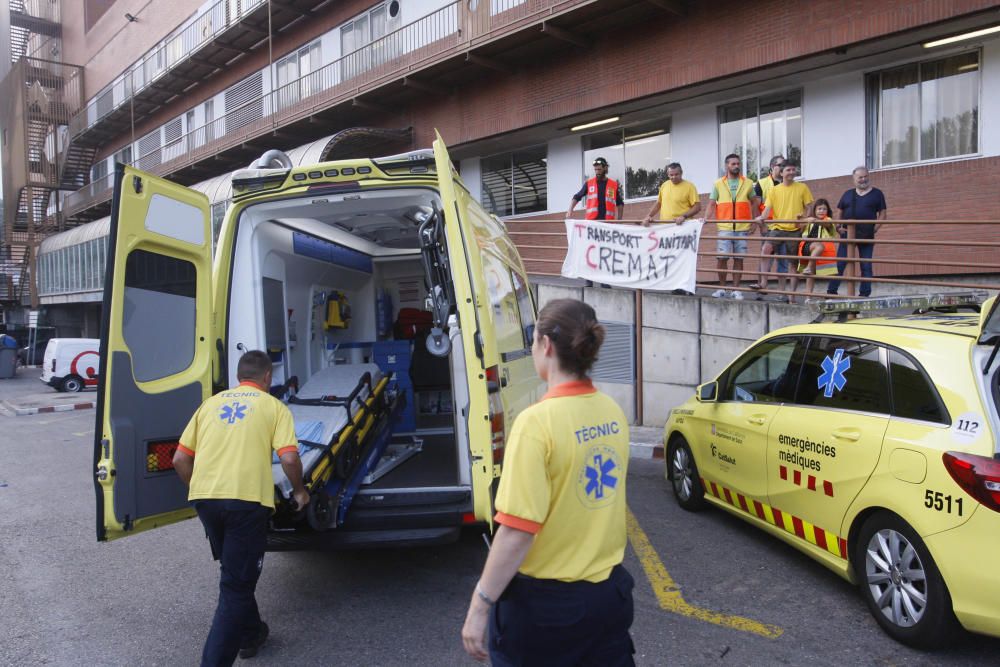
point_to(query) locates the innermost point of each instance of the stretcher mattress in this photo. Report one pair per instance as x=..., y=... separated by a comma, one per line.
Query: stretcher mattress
x=322, y=424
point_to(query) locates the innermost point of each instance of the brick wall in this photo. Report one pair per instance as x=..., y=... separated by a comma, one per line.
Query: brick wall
x=959, y=190
x=672, y=53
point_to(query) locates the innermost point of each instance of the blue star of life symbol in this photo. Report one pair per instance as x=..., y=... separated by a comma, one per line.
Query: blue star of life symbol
x=599, y=476
x=230, y=413
x=833, y=373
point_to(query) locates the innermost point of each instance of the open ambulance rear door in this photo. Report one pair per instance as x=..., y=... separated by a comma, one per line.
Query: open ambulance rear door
x=487, y=272
x=156, y=353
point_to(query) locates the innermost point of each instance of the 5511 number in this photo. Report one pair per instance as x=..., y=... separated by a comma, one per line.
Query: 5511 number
x=942, y=503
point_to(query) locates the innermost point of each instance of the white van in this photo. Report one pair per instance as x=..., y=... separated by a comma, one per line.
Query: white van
x=380, y=288
x=71, y=364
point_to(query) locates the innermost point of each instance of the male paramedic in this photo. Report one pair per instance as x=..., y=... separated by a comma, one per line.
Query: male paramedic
x=224, y=457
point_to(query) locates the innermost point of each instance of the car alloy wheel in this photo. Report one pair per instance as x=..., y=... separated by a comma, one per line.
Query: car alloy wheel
x=683, y=473
x=901, y=583
x=683, y=479
x=896, y=578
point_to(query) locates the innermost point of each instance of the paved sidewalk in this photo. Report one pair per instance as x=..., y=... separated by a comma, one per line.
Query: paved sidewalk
x=25, y=394
x=647, y=442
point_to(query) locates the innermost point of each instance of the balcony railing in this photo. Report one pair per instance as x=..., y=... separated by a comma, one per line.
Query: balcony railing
x=449, y=31
x=220, y=17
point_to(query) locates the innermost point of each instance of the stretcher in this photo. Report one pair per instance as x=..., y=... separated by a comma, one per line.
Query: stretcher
x=343, y=417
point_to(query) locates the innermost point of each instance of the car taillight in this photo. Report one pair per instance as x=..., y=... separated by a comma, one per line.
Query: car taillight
x=53, y=365
x=497, y=427
x=979, y=476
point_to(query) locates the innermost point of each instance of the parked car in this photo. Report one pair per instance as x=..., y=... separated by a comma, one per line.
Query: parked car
x=71, y=364
x=870, y=446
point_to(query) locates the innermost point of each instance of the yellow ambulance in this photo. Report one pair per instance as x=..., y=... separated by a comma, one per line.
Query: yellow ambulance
x=869, y=445
x=387, y=264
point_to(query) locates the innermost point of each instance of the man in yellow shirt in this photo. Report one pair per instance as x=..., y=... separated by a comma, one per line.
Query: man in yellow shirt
x=224, y=457
x=790, y=202
x=678, y=199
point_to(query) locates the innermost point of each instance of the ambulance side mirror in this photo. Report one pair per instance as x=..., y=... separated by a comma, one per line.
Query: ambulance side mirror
x=708, y=392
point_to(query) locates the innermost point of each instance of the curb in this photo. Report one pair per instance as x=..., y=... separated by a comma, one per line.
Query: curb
x=16, y=411
x=645, y=450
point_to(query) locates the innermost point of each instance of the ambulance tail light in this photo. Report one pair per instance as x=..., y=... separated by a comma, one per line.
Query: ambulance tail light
x=498, y=431
x=979, y=476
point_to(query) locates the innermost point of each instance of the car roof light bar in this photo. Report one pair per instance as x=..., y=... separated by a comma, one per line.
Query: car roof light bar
x=902, y=302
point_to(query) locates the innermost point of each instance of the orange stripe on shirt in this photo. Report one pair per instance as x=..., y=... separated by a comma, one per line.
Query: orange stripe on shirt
x=571, y=388
x=518, y=523
x=182, y=448
x=289, y=448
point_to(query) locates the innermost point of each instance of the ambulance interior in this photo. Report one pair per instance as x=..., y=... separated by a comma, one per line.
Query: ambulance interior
x=333, y=287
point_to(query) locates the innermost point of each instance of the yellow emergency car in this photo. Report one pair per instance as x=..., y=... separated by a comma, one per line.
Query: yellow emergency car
x=371, y=267
x=871, y=446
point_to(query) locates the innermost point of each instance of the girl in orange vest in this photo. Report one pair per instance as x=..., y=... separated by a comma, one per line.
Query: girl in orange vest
x=818, y=257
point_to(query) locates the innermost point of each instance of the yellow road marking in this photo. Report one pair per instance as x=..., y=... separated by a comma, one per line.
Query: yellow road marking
x=669, y=594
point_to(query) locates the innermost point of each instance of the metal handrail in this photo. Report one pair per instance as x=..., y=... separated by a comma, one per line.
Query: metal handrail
x=402, y=51
x=159, y=60
x=466, y=25
x=851, y=275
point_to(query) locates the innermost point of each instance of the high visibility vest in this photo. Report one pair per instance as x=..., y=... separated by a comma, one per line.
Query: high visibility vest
x=766, y=184
x=727, y=209
x=610, y=199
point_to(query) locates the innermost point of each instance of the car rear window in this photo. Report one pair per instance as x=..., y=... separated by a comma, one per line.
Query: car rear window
x=913, y=394
x=846, y=374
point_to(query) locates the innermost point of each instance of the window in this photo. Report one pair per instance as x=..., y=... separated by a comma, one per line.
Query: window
x=760, y=128
x=515, y=183
x=293, y=72
x=637, y=156
x=209, y=107
x=924, y=111
x=526, y=307
x=99, y=171
x=913, y=395
x=124, y=155
x=357, y=34
x=768, y=373
x=218, y=216
x=159, y=320
x=503, y=305
x=845, y=374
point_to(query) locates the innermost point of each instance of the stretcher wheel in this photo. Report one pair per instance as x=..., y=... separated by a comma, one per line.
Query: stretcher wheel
x=321, y=512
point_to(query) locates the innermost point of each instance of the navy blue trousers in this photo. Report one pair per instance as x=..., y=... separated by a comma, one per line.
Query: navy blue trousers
x=556, y=623
x=865, y=251
x=237, y=532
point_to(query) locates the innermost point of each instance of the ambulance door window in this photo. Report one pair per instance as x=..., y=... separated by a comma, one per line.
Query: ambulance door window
x=503, y=307
x=159, y=315
x=845, y=374
x=766, y=374
x=913, y=394
x=526, y=308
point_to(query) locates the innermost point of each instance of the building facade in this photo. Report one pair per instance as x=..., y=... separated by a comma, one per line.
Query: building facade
x=525, y=92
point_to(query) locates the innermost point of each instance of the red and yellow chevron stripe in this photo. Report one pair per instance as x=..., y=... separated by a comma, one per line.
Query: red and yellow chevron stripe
x=810, y=481
x=801, y=528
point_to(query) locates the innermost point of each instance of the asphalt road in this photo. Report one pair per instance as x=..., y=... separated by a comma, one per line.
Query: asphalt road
x=148, y=599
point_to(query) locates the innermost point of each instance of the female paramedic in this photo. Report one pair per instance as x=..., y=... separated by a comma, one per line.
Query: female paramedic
x=554, y=589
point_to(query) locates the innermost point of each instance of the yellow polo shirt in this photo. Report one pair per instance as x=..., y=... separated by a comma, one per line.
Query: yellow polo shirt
x=231, y=437
x=788, y=202
x=676, y=199
x=564, y=481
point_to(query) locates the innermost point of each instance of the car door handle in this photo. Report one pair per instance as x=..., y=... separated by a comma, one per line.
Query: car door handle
x=851, y=434
x=756, y=419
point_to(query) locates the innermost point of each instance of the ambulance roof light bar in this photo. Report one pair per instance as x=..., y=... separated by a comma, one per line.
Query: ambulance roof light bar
x=903, y=302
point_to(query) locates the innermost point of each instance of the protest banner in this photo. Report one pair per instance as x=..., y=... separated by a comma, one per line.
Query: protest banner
x=660, y=257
